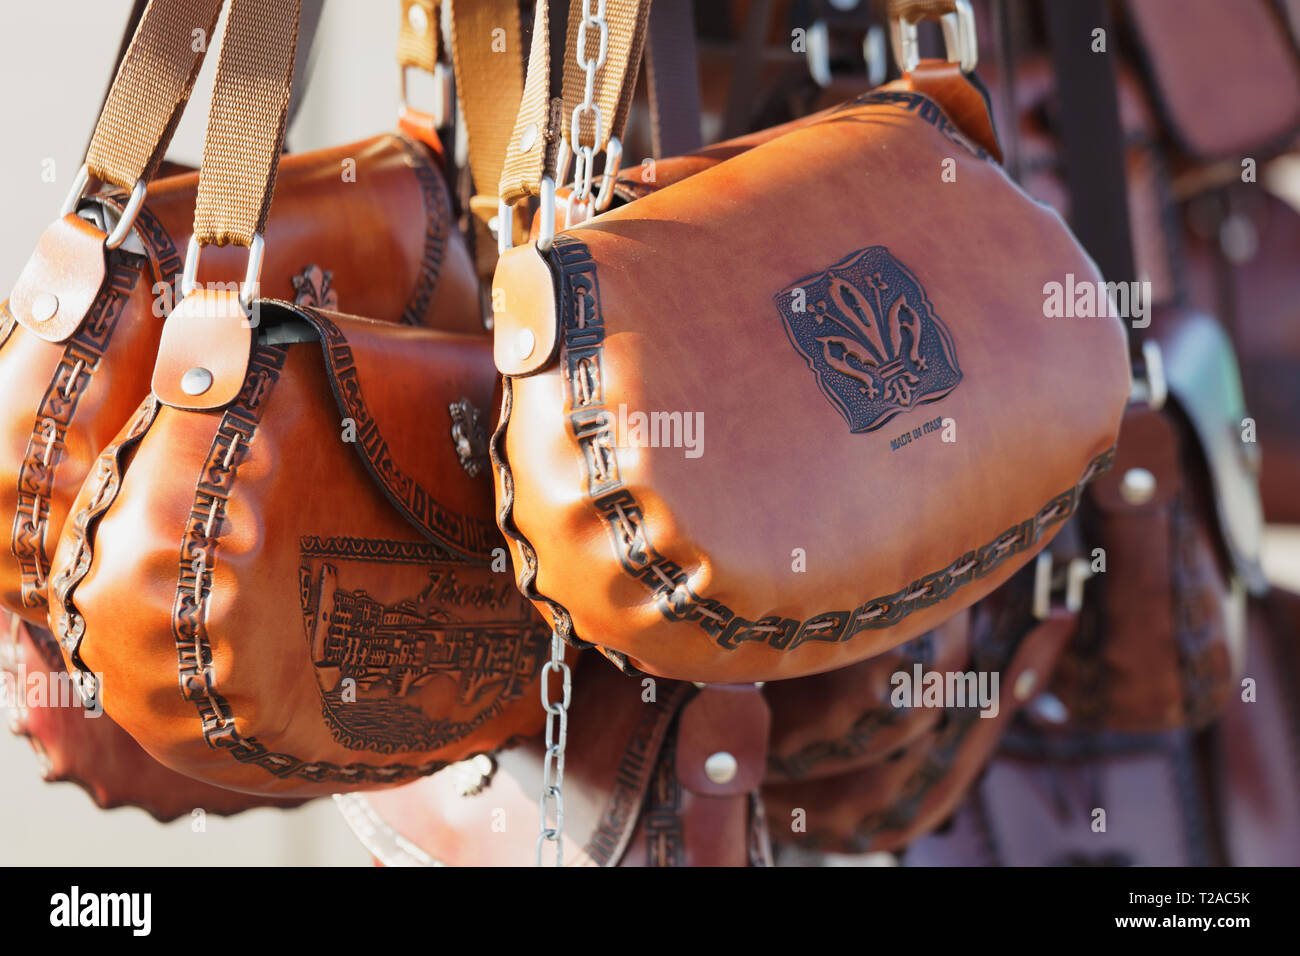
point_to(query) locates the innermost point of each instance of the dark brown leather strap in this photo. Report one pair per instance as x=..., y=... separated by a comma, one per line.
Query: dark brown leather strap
x=1091, y=136
x=745, y=69
x=672, y=79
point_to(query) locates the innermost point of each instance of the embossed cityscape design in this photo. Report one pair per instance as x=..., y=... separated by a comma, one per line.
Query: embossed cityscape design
x=373, y=658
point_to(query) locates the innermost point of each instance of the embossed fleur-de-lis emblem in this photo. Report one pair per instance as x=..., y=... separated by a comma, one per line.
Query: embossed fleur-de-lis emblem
x=872, y=337
x=314, y=287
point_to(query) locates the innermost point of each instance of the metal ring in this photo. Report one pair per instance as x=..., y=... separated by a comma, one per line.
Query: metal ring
x=129, y=212
x=247, y=290
x=960, y=40
x=613, y=163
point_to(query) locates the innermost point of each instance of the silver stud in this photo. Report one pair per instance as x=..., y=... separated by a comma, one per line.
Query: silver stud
x=45, y=306
x=196, y=381
x=525, y=342
x=1025, y=684
x=419, y=20
x=528, y=137
x=1048, y=708
x=721, y=767
x=1138, y=486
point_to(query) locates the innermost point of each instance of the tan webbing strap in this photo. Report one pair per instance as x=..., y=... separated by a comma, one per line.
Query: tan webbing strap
x=536, y=135
x=616, y=80
x=246, y=126
x=419, y=39
x=150, y=90
x=487, y=55
x=541, y=123
x=915, y=11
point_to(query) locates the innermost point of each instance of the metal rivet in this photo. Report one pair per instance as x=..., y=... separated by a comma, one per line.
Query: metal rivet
x=528, y=137
x=525, y=342
x=45, y=307
x=418, y=19
x=1025, y=684
x=721, y=767
x=1048, y=708
x=196, y=381
x=1138, y=486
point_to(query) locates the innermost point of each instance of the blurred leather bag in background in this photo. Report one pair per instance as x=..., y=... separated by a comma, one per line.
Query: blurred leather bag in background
x=279, y=576
x=76, y=745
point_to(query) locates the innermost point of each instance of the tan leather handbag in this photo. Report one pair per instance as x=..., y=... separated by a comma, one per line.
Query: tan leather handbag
x=79, y=333
x=280, y=576
x=853, y=321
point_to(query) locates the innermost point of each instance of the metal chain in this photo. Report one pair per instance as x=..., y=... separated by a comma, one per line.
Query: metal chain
x=557, y=712
x=584, y=154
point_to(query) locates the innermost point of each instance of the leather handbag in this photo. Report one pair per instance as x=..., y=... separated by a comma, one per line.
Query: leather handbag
x=283, y=576
x=85, y=747
x=78, y=334
x=861, y=306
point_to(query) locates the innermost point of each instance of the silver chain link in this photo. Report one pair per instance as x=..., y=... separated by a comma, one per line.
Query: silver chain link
x=557, y=733
x=585, y=154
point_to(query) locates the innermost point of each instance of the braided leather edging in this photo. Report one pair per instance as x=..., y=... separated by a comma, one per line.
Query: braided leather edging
x=581, y=359
x=437, y=217
x=78, y=364
x=71, y=626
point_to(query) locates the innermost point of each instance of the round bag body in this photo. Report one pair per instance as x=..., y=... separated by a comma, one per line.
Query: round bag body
x=291, y=582
x=806, y=404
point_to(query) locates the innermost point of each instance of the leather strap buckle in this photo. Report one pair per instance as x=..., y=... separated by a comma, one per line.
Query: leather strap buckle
x=1049, y=581
x=958, y=38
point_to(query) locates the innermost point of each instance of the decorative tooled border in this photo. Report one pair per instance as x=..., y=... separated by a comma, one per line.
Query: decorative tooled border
x=855, y=741
x=437, y=213
x=164, y=258
x=198, y=559
x=471, y=537
x=623, y=806
x=592, y=425
x=925, y=108
x=72, y=377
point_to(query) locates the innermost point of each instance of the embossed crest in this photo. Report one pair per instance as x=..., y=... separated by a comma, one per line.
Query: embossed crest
x=870, y=334
x=469, y=435
x=314, y=287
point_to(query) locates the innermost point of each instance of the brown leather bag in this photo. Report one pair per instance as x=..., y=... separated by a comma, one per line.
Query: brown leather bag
x=890, y=322
x=70, y=379
x=280, y=577
x=85, y=747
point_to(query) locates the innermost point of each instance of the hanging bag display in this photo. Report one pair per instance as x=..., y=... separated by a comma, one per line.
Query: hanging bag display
x=80, y=331
x=804, y=405
x=280, y=576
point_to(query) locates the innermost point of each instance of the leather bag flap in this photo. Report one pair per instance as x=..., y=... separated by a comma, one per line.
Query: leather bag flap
x=59, y=284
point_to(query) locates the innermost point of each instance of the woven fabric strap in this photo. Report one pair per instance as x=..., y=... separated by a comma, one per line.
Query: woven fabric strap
x=616, y=80
x=250, y=100
x=915, y=11
x=488, y=57
x=150, y=90
x=543, y=122
x=419, y=38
